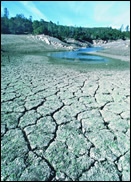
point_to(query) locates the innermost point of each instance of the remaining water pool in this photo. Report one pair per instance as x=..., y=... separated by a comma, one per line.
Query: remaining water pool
x=78, y=56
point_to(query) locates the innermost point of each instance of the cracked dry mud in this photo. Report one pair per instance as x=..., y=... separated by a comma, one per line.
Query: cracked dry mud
x=59, y=124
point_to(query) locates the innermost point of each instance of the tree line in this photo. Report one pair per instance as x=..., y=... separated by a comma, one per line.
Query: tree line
x=21, y=25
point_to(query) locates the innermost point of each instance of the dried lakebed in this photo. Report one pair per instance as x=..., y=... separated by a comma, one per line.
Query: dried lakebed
x=62, y=124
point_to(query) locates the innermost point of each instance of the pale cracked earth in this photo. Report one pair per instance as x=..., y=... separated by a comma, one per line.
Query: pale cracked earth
x=59, y=124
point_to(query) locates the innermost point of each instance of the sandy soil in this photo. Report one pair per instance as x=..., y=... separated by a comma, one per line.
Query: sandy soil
x=117, y=50
x=59, y=123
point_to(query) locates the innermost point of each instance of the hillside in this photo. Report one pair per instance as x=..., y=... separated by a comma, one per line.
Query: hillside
x=38, y=43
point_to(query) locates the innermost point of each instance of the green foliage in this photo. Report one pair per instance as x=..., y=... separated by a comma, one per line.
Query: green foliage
x=16, y=25
x=22, y=25
x=127, y=34
x=6, y=13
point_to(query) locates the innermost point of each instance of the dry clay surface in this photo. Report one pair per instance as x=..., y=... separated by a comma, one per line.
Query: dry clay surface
x=59, y=124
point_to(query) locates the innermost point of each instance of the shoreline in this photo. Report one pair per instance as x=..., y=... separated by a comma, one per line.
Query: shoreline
x=122, y=58
x=119, y=49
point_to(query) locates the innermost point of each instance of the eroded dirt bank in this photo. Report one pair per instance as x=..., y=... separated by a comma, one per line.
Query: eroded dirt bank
x=62, y=124
x=117, y=50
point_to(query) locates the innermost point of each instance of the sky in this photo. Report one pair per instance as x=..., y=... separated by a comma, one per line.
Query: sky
x=73, y=13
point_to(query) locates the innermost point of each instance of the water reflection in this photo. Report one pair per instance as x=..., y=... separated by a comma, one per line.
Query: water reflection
x=77, y=56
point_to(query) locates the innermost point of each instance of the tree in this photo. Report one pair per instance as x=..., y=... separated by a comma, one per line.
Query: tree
x=12, y=26
x=5, y=22
x=127, y=28
x=122, y=27
x=22, y=25
x=30, y=18
x=39, y=30
x=35, y=25
x=6, y=13
x=28, y=26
